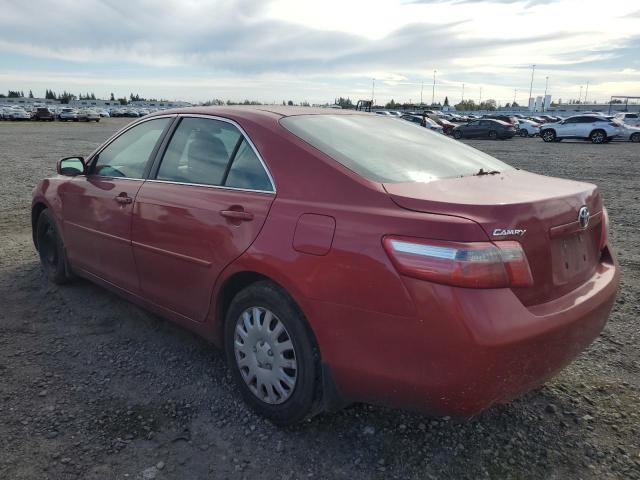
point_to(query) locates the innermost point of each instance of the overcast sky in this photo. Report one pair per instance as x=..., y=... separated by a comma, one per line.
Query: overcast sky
x=318, y=50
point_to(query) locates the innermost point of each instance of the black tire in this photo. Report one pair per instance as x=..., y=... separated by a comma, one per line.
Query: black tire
x=457, y=134
x=51, y=249
x=548, y=135
x=635, y=137
x=300, y=404
x=493, y=135
x=598, y=136
x=523, y=133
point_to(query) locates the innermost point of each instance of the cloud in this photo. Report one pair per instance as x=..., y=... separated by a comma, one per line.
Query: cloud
x=526, y=3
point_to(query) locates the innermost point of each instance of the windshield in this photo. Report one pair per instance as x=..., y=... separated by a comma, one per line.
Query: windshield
x=388, y=150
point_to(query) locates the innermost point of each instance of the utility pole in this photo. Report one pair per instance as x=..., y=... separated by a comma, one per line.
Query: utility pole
x=480, y=97
x=515, y=92
x=580, y=96
x=433, y=91
x=421, y=89
x=373, y=90
x=586, y=94
x=463, y=92
x=544, y=100
x=533, y=70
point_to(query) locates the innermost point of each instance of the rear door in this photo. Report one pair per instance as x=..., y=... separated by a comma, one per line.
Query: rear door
x=204, y=205
x=473, y=129
x=97, y=208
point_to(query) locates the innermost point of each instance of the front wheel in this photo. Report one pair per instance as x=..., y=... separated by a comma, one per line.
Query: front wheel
x=524, y=133
x=635, y=137
x=51, y=249
x=493, y=134
x=272, y=354
x=457, y=134
x=548, y=135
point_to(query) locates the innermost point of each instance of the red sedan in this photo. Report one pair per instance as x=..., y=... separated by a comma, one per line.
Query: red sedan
x=337, y=256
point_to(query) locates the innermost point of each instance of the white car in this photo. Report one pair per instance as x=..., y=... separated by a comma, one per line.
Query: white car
x=528, y=128
x=103, y=113
x=629, y=133
x=382, y=112
x=88, y=115
x=596, y=128
x=17, y=113
x=631, y=119
x=67, y=114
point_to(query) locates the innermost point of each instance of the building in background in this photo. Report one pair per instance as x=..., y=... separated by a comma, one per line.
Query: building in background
x=532, y=104
x=28, y=102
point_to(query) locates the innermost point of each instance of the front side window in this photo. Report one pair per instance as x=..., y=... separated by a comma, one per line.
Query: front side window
x=384, y=150
x=127, y=156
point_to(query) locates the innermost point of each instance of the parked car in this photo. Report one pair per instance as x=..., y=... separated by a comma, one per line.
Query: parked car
x=629, y=133
x=632, y=119
x=509, y=119
x=527, y=128
x=43, y=113
x=423, y=121
x=130, y=112
x=596, y=128
x=409, y=269
x=103, y=113
x=88, y=115
x=485, y=128
x=382, y=112
x=67, y=114
x=18, y=113
x=447, y=126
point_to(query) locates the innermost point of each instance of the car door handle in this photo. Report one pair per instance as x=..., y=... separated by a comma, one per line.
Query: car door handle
x=240, y=215
x=124, y=199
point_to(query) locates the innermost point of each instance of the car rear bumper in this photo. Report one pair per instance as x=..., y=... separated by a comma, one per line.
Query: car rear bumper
x=466, y=350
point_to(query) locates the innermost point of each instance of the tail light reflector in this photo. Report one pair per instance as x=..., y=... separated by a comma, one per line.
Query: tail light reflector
x=471, y=265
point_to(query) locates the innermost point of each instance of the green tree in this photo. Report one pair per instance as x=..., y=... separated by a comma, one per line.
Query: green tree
x=30, y=94
x=446, y=101
x=112, y=98
x=290, y=103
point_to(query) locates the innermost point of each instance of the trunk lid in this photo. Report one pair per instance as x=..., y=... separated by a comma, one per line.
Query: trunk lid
x=539, y=212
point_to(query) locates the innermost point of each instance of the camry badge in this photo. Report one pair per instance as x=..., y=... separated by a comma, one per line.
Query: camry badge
x=583, y=217
x=503, y=232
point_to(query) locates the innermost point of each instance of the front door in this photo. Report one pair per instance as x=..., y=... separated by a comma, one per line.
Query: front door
x=206, y=205
x=98, y=207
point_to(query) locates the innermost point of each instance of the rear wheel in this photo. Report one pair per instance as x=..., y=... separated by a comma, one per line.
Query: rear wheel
x=457, y=134
x=493, y=134
x=548, y=135
x=635, y=137
x=598, y=136
x=51, y=249
x=523, y=133
x=271, y=353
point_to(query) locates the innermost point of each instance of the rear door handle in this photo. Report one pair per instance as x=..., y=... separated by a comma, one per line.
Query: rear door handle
x=124, y=199
x=240, y=215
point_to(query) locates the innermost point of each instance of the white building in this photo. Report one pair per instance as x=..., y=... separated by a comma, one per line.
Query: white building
x=96, y=103
x=532, y=104
x=158, y=104
x=28, y=102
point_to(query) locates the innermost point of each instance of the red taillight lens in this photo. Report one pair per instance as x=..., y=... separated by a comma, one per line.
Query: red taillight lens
x=471, y=265
x=604, y=229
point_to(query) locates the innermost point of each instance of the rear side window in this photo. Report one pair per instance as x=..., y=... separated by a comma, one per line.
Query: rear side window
x=199, y=152
x=212, y=152
x=385, y=150
x=127, y=156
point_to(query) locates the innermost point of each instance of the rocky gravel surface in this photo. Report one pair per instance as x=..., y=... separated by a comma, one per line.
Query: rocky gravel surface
x=92, y=387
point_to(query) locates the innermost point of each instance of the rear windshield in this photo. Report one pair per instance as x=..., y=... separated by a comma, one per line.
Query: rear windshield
x=390, y=150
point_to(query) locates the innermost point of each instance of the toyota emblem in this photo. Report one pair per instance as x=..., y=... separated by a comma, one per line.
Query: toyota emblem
x=583, y=217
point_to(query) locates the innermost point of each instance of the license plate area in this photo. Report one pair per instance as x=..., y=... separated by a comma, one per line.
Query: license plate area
x=574, y=256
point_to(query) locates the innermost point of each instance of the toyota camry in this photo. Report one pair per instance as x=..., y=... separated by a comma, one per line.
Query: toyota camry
x=337, y=256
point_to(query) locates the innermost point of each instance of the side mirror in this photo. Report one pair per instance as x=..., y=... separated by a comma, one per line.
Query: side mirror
x=71, y=166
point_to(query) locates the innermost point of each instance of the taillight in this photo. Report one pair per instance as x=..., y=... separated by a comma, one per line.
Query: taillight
x=604, y=229
x=471, y=265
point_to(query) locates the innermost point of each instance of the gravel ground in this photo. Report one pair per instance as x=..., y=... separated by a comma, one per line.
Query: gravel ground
x=93, y=387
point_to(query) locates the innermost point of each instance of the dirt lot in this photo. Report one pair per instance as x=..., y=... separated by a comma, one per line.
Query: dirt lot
x=93, y=387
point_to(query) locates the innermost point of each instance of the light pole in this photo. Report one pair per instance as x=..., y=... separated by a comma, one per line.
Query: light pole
x=580, y=96
x=515, y=92
x=544, y=100
x=480, y=102
x=586, y=94
x=373, y=90
x=533, y=70
x=433, y=91
x=463, y=92
x=421, y=89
